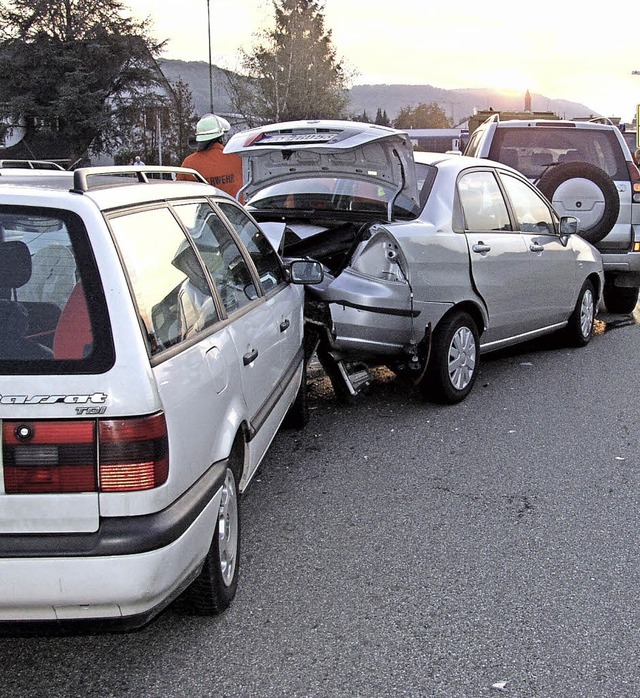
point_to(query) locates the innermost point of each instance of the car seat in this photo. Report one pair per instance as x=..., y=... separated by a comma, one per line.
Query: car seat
x=15, y=272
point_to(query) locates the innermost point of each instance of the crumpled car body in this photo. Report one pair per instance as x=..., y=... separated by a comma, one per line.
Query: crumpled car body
x=411, y=243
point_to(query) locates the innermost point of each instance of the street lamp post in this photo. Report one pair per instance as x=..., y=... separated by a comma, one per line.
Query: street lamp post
x=210, y=66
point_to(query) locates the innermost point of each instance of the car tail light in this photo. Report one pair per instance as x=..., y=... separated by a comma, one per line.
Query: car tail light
x=634, y=176
x=49, y=457
x=134, y=454
x=119, y=455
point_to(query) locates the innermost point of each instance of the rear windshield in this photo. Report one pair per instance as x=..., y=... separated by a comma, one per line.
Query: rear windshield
x=534, y=150
x=332, y=194
x=52, y=308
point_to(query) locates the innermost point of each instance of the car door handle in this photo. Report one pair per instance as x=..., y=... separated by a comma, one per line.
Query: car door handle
x=284, y=325
x=536, y=247
x=481, y=247
x=250, y=357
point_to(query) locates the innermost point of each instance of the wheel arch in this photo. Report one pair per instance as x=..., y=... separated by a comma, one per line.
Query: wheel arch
x=597, y=284
x=238, y=455
x=472, y=309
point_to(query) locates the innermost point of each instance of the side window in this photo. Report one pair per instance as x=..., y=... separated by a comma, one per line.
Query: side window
x=168, y=282
x=220, y=253
x=532, y=213
x=474, y=142
x=262, y=253
x=482, y=203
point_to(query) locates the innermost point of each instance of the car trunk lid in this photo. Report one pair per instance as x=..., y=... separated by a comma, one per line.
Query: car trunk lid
x=283, y=152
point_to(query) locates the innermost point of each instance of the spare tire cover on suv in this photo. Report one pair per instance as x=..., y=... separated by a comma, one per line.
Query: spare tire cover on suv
x=585, y=191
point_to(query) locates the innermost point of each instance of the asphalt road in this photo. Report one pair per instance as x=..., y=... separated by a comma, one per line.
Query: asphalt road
x=397, y=548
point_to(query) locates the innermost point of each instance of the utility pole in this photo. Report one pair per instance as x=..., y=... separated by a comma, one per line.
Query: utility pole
x=210, y=66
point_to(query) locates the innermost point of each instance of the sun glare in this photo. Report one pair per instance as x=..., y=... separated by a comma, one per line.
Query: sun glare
x=508, y=81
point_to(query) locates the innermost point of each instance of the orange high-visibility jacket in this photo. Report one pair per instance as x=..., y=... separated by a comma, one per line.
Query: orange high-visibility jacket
x=222, y=170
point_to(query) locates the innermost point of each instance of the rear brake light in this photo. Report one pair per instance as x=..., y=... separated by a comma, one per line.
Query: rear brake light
x=49, y=457
x=134, y=454
x=634, y=175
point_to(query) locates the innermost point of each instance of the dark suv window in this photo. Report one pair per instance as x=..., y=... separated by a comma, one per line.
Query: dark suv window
x=534, y=150
x=52, y=308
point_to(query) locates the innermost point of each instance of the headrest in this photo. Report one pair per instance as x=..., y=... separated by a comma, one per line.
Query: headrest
x=15, y=264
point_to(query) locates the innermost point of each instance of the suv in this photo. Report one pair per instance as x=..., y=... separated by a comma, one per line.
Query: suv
x=151, y=346
x=586, y=170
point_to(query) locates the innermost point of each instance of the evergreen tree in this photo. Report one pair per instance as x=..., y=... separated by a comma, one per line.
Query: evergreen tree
x=296, y=72
x=64, y=63
x=381, y=118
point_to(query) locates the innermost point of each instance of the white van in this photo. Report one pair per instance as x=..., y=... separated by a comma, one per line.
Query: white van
x=151, y=346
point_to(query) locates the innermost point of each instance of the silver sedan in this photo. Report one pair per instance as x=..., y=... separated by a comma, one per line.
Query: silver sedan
x=431, y=259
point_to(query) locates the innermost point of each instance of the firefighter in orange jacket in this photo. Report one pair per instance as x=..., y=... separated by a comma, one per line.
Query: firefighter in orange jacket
x=222, y=170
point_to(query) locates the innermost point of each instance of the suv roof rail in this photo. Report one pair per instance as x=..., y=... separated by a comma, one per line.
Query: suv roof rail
x=144, y=175
x=494, y=117
x=601, y=120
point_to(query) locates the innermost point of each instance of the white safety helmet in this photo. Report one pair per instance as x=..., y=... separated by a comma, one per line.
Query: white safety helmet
x=211, y=126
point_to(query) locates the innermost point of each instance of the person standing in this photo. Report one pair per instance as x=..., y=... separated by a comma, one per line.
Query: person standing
x=222, y=170
x=137, y=161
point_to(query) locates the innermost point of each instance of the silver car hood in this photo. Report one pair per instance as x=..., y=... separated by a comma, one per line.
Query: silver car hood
x=283, y=152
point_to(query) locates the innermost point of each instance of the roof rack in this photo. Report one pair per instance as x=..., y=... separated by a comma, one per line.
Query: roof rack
x=117, y=175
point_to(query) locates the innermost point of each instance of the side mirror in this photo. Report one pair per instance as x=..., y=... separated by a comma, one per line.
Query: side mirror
x=305, y=271
x=569, y=225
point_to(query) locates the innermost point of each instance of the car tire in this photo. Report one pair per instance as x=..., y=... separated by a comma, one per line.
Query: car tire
x=580, y=327
x=297, y=415
x=620, y=299
x=215, y=587
x=455, y=356
x=597, y=181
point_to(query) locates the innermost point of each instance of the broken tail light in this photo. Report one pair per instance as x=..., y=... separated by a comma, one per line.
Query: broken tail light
x=55, y=457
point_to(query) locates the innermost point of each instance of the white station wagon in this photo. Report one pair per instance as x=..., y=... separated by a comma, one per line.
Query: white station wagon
x=151, y=347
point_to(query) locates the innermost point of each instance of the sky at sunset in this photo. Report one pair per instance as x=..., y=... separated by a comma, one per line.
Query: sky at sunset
x=561, y=49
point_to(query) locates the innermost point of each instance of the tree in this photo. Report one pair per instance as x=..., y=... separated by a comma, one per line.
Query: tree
x=64, y=63
x=381, y=118
x=422, y=116
x=294, y=68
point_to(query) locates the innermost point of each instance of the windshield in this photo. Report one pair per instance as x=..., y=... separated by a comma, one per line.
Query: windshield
x=334, y=194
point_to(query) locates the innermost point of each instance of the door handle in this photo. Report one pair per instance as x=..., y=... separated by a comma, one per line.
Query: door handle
x=250, y=357
x=481, y=247
x=536, y=247
x=284, y=325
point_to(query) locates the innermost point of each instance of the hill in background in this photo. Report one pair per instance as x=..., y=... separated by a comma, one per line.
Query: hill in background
x=458, y=104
